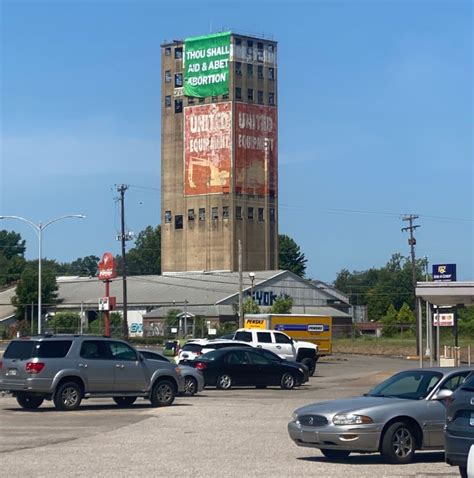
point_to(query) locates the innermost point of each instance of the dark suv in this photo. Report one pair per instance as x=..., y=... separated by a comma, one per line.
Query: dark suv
x=68, y=368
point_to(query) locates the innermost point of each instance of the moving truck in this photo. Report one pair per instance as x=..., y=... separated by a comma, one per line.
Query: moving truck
x=316, y=329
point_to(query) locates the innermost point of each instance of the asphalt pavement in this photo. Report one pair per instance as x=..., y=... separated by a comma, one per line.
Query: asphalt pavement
x=235, y=433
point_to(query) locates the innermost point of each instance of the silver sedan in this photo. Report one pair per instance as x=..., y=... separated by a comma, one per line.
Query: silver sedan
x=404, y=413
x=193, y=379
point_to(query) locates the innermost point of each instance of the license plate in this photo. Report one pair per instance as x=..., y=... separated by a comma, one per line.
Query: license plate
x=471, y=421
x=12, y=371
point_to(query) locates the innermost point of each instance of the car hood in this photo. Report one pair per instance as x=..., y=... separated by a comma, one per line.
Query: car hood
x=308, y=345
x=350, y=405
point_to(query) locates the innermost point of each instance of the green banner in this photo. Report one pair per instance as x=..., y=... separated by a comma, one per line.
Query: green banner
x=206, y=65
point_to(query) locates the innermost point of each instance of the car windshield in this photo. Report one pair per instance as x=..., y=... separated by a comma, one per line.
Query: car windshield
x=210, y=356
x=411, y=385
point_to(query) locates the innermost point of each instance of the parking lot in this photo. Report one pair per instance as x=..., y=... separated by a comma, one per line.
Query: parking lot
x=240, y=432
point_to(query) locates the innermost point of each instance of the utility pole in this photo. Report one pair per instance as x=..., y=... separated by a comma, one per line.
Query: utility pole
x=121, y=189
x=410, y=218
x=241, y=286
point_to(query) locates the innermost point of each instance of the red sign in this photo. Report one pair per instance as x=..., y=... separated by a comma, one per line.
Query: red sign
x=256, y=153
x=107, y=269
x=207, y=149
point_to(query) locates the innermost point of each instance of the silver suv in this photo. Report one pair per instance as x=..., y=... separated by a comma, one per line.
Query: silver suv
x=68, y=368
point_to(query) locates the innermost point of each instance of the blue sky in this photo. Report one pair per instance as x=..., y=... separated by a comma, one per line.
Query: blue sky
x=375, y=120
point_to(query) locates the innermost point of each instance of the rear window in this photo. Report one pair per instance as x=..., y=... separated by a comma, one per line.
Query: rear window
x=192, y=348
x=243, y=336
x=49, y=349
x=210, y=356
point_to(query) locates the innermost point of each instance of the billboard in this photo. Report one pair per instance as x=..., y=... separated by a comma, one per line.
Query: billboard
x=256, y=152
x=444, y=272
x=206, y=65
x=207, y=149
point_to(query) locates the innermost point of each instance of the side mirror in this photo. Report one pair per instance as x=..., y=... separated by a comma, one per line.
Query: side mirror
x=443, y=394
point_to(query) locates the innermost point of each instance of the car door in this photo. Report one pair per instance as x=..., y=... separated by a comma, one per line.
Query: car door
x=129, y=372
x=266, y=369
x=283, y=346
x=238, y=366
x=96, y=366
x=436, y=418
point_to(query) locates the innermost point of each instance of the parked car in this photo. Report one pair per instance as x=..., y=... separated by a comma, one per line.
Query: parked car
x=193, y=379
x=69, y=368
x=196, y=347
x=245, y=366
x=281, y=344
x=402, y=414
x=459, y=430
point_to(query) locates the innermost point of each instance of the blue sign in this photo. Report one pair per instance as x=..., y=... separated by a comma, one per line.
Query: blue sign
x=444, y=272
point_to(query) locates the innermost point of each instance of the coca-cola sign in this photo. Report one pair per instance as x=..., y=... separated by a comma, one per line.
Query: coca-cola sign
x=107, y=269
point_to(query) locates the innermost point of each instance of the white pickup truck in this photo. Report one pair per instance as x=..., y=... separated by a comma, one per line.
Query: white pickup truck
x=284, y=346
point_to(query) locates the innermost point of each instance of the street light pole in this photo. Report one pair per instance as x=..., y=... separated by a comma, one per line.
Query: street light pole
x=39, y=228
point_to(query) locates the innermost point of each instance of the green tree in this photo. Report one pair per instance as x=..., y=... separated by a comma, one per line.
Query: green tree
x=282, y=305
x=12, y=261
x=27, y=290
x=82, y=266
x=250, y=306
x=290, y=256
x=389, y=320
x=226, y=328
x=97, y=326
x=65, y=323
x=145, y=257
x=171, y=319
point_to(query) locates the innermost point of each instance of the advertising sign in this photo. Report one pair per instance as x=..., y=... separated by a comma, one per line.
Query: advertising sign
x=444, y=272
x=107, y=269
x=443, y=320
x=256, y=153
x=207, y=148
x=206, y=65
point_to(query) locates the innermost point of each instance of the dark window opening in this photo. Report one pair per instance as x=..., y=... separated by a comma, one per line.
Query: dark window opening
x=260, y=97
x=168, y=51
x=168, y=101
x=250, y=212
x=190, y=100
x=178, y=106
x=225, y=212
x=238, y=41
x=178, y=221
x=238, y=68
x=201, y=100
x=190, y=214
x=178, y=80
x=238, y=212
x=226, y=96
x=250, y=94
x=271, y=73
x=260, y=214
x=250, y=43
x=271, y=98
x=202, y=214
x=167, y=217
x=249, y=69
x=214, y=98
x=215, y=213
x=168, y=76
x=238, y=93
x=271, y=48
x=178, y=52
x=260, y=71
x=272, y=215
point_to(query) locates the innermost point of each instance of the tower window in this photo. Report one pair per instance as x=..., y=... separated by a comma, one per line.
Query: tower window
x=238, y=212
x=250, y=43
x=202, y=213
x=215, y=213
x=272, y=214
x=168, y=51
x=271, y=98
x=249, y=70
x=167, y=217
x=260, y=97
x=260, y=214
x=238, y=68
x=178, y=80
x=178, y=221
x=238, y=93
x=201, y=100
x=178, y=106
x=250, y=94
x=250, y=213
x=168, y=76
x=214, y=98
x=226, y=96
x=225, y=212
x=260, y=71
x=271, y=73
x=271, y=48
x=190, y=214
x=190, y=100
x=178, y=52
x=238, y=41
x=168, y=101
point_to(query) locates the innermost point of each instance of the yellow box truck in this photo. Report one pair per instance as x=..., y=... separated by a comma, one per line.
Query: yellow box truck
x=310, y=328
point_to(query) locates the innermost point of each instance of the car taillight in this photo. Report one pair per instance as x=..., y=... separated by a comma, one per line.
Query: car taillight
x=34, y=367
x=201, y=365
x=199, y=353
x=1, y=365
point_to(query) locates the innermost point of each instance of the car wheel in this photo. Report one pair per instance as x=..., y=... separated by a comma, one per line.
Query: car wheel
x=68, y=396
x=190, y=386
x=463, y=471
x=311, y=364
x=398, y=444
x=287, y=381
x=224, y=382
x=162, y=394
x=124, y=402
x=335, y=455
x=29, y=402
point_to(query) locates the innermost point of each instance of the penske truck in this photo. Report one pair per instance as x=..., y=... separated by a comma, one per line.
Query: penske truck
x=316, y=329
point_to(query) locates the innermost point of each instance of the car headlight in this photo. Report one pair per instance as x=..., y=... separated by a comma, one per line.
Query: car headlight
x=351, y=419
x=294, y=416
